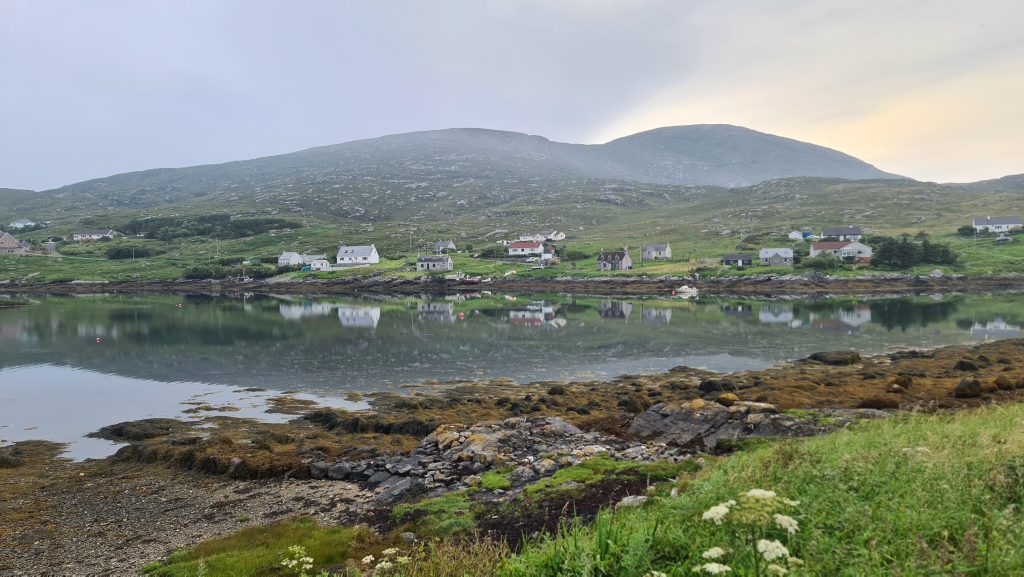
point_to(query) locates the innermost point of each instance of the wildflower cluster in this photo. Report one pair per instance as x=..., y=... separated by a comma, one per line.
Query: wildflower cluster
x=390, y=559
x=754, y=518
x=298, y=561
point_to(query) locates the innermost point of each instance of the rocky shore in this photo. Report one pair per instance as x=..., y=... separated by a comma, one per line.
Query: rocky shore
x=750, y=286
x=516, y=452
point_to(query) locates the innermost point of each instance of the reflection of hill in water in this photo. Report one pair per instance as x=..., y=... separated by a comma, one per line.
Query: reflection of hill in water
x=292, y=342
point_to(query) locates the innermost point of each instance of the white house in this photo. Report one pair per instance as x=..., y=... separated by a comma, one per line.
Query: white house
x=11, y=245
x=22, y=223
x=526, y=248
x=320, y=264
x=295, y=259
x=997, y=223
x=656, y=251
x=542, y=236
x=843, y=250
x=796, y=235
x=434, y=263
x=93, y=235
x=356, y=255
x=359, y=317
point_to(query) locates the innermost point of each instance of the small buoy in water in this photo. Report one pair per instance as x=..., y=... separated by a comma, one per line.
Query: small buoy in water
x=462, y=316
x=673, y=293
x=99, y=340
x=179, y=305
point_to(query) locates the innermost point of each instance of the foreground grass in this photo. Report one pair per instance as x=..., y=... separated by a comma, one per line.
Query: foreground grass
x=911, y=495
x=915, y=495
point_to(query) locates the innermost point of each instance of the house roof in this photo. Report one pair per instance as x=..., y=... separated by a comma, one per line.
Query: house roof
x=831, y=245
x=525, y=244
x=288, y=254
x=442, y=258
x=997, y=220
x=841, y=230
x=104, y=231
x=8, y=241
x=655, y=246
x=356, y=251
x=612, y=257
x=738, y=256
x=444, y=244
x=769, y=252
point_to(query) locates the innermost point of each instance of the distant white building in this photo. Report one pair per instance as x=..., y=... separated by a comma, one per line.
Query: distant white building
x=86, y=235
x=530, y=247
x=656, y=251
x=997, y=223
x=295, y=259
x=22, y=223
x=320, y=264
x=542, y=236
x=357, y=255
x=843, y=250
x=443, y=246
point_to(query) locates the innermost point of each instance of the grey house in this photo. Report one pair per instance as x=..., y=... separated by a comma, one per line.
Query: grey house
x=442, y=246
x=997, y=223
x=656, y=251
x=434, y=263
x=614, y=260
x=739, y=259
x=776, y=256
x=849, y=232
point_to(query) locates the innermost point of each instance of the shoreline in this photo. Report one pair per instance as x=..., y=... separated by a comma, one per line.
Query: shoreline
x=753, y=286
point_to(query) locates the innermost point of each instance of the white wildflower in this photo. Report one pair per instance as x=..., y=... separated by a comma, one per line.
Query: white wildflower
x=775, y=570
x=713, y=569
x=771, y=550
x=716, y=514
x=790, y=502
x=368, y=559
x=713, y=553
x=655, y=574
x=389, y=552
x=402, y=560
x=787, y=523
x=761, y=494
x=384, y=565
x=794, y=561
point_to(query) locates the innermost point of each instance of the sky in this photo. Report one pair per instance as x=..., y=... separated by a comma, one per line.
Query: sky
x=931, y=89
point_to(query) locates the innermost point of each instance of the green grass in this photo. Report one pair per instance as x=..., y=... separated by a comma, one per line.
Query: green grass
x=602, y=467
x=448, y=515
x=912, y=495
x=257, y=551
x=495, y=480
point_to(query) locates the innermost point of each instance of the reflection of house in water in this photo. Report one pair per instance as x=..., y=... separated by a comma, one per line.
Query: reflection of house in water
x=834, y=326
x=656, y=315
x=535, y=314
x=614, y=309
x=994, y=330
x=776, y=314
x=857, y=316
x=846, y=321
x=436, y=312
x=13, y=331
x=359, y=317
x=294, y=312
x=738, y=310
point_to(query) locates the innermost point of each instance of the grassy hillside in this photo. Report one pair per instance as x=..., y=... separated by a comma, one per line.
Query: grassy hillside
x=909, y=495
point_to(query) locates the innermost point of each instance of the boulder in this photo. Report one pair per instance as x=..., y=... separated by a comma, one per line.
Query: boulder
x=521, y=475
x=339, y=471
x=1003, y=383
x=727, y=399
x=631, y=501
x=318, y=469
x=836, y=358
x=967, y=389
x=404, y=489
x=903, y=381
x=966, y=365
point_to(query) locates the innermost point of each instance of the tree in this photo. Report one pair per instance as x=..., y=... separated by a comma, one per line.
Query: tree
x=967, y=230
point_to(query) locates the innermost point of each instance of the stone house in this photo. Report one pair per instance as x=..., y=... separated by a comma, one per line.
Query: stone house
x=738, y=259
x=434, y=263
x=11, y=245
x=614, y=260
x=776, y=256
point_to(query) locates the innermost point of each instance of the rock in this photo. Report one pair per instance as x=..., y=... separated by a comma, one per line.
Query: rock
x=318, y=469
x=753, y=407
x=967, y=389
x=1003, y=383
x=378, y=477
x=879, y=403
x=408, y=537
x=966, y=365
x=545, y=467
x=903, y=381
x=521, y=476
x=727, y=399
x=234, y=464
x=715, y=385
x=404, y=489
x=895, y=389
x=472, y=480
x=339, y=471
x=836, y=358
x=631, y=501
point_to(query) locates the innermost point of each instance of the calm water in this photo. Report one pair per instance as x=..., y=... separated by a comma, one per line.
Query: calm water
x=69, y=365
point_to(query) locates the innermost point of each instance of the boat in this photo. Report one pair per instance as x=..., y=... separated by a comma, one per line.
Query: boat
x=685, y=292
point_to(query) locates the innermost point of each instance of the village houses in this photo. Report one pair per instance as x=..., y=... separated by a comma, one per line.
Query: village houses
x=997, y=223
x=776, y=256
x=843, y=250
x=90, y=235
x=552, y=235
x=11, y=245
x=434, y=263
x=21, y=224
x=614, y=260
x=521, y=248
x=845, y=233
x=295, y=259
x=656, y=251
x=357, y=255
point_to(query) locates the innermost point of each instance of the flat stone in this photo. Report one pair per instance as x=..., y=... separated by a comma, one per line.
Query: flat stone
x=631, y=501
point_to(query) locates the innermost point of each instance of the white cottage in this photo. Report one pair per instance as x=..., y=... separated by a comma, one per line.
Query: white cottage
x=357, y=255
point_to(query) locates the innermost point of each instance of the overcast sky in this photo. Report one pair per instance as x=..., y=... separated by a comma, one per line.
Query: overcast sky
x=932, y=89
